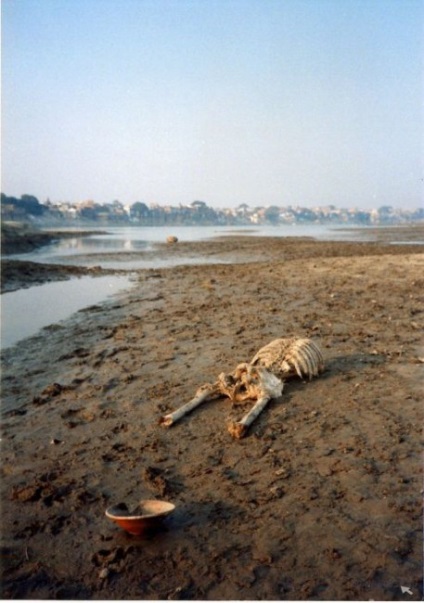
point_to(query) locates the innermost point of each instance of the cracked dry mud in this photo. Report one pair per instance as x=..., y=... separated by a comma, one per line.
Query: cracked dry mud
x=322, y=499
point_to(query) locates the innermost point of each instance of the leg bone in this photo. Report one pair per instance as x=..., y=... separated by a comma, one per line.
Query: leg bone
x=204, y=393
x=239, y=428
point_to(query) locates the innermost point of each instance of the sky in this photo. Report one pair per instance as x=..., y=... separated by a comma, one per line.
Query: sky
x=263, y=102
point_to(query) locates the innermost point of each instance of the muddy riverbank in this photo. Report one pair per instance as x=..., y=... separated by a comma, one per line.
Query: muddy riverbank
x=321, y=500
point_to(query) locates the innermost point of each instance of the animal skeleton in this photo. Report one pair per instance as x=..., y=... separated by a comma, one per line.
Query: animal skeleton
x=262, y=379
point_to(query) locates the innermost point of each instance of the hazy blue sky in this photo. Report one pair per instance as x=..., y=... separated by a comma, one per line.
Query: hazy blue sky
x=308, y=102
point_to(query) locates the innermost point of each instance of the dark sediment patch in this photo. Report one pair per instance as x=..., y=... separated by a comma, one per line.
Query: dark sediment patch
x=20, y=274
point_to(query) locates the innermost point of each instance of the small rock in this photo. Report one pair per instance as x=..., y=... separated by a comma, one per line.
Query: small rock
x=284, y=473
x=52, y=390
x=276, y=491
x=104, y=573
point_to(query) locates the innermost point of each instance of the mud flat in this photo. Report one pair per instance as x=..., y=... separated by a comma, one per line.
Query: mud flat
x=17, y=274
x=321, y=500
x=18, y=237
x=20, y=274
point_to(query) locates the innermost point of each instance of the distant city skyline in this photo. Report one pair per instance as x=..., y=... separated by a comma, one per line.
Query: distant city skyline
x=263, y=102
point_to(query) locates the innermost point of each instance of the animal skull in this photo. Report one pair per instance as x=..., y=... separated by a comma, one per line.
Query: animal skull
x=262, y=379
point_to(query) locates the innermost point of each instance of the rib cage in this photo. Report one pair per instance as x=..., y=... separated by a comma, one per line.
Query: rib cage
x=262, y=379
x=289, y=357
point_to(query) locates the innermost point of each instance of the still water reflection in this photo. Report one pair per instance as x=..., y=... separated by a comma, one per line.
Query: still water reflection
x=134, y=244
x=25, y=312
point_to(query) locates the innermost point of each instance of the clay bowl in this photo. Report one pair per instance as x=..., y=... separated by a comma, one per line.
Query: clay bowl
x=146, y=516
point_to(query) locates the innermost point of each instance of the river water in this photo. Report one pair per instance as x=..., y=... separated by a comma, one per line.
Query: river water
x=25, y=312
x=88, y=251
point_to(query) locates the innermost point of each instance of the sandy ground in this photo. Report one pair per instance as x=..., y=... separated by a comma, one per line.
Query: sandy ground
x=321, y=500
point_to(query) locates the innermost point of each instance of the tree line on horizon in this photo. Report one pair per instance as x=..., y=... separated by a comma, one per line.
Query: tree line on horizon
x=29, y=208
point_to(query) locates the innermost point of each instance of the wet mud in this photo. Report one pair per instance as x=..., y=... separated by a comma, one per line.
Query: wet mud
x=321, y=500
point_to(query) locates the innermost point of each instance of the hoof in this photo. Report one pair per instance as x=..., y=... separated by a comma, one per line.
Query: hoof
x=237, y=430
x=165, y=421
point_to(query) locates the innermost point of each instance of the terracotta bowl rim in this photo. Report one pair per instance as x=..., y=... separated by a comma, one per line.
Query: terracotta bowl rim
x=170, y=507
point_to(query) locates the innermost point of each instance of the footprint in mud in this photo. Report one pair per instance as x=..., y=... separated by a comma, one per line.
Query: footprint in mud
x=154, y=478
x=110, y=561
x=43, y=489
x=50, y=392
x=26, y=493
x=107, y=413
x=108, y=353
x=56, y=525
x=77, y=353
x=117, y=450
x=30, y=530
x=11, y=556
x=111, y=384
x=105, y=557
x=57, y=495
x=84, y=416
x=156, y=481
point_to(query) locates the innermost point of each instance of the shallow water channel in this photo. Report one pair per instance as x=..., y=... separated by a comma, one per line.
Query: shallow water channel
x=131, y=247
x=25, y=312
